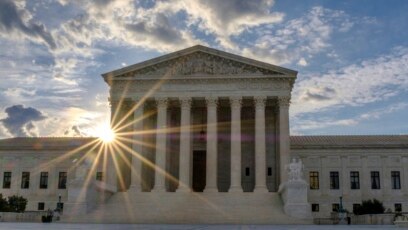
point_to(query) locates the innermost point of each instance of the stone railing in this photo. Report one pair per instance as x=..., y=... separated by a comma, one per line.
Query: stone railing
x=30, y=216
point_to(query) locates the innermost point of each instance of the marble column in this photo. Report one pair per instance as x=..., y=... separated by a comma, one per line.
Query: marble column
x=185, y=146
x=236, y=103
x=211, y=171
x=136, y=173
x=260, y=145
x=284, y=142
x=111, y=166
x=160, y=166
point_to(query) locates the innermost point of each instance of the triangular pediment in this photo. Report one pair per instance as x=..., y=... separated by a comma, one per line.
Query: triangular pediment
x=199, y=60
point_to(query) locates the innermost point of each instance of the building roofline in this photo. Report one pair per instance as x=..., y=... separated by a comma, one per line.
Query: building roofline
x=179, y=53
x=296, y=142
x=348, y=141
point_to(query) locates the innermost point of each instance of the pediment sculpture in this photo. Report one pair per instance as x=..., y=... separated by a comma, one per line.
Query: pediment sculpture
x=200, y=63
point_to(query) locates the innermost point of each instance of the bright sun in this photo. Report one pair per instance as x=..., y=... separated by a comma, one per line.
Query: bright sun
x=105, y=133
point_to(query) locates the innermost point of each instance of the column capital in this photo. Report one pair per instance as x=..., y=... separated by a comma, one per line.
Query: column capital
x=211, y=101
x=283, y=101
x=260, y=101
x=236, y=102
x=185, y=102
x=162, y=102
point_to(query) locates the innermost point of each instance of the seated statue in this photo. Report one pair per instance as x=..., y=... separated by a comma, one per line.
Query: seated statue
x=295, y=169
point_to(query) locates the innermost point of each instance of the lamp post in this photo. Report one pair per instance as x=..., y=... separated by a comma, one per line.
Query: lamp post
x=342, y=213
x=59, y=209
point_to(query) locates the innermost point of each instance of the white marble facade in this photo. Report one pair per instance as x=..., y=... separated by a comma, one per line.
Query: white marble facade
x=225, y=95
x=219, y=155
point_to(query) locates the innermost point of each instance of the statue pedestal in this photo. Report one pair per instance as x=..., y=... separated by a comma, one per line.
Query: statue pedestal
x=83, y=198
x=79, y=198
x=294, y=196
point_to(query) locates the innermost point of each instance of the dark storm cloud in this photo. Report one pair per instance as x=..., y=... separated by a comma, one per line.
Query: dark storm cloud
x=324, y=94
x=74, y=131
x=11, y=21
x=19, y=120
x=160, y=29
x=101, y=3
x=227, y=11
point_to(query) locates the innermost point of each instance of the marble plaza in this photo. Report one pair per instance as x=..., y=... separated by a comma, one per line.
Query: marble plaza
x=202, y=137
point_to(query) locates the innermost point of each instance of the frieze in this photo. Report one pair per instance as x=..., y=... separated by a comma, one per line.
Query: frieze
x=128, y=87
x=202, y=64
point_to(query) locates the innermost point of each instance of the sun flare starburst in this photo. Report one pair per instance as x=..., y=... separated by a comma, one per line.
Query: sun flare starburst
x=106, y=134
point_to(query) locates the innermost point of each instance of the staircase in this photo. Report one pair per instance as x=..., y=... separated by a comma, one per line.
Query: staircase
x=190, y=208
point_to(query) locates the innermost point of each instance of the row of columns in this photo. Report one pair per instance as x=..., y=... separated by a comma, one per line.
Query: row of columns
x=185, y=173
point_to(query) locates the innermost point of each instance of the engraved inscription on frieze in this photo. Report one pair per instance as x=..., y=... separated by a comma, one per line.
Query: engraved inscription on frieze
x=201, y=63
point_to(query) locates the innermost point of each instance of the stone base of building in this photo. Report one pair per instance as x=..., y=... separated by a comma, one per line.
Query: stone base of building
x=189, y=208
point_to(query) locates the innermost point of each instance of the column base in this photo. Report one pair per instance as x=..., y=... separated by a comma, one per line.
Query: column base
x=261, y=190
x=159, y=189
x=210, y=190
x=184, y=189
x=135, y=188
x=235, y=189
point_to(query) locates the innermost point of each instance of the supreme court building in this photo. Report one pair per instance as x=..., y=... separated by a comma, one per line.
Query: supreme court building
x=204, y=138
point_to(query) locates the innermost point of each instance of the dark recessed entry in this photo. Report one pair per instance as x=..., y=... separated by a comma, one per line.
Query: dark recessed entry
x=199, y=170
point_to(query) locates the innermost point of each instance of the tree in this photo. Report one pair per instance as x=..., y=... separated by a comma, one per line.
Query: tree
x=17, y=203
x=373, y=206
x=4, y=206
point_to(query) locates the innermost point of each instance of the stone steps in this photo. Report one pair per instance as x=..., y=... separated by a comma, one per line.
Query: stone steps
x=188, y=208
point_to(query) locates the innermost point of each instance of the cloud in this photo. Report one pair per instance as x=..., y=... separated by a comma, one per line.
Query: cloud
x=20, y=120
x=299, y=38
x=302, y=62
x=319, y=94
x=318, y=123
x=74, y=131
x=15, y=21
x=369, y=81
x=228, y=18
x=376, y=114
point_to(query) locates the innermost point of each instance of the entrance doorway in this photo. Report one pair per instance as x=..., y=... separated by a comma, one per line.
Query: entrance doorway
x=199, y=170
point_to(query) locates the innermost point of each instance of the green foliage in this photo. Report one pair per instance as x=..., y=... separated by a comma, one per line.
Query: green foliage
x=373, y=206
x=13, y=204
x=4, y=206
x=17, y=203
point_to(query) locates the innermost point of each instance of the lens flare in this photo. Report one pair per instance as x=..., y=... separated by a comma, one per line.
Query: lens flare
x=106, y=134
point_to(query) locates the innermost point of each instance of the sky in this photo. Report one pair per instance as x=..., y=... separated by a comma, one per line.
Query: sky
x=351, y=57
